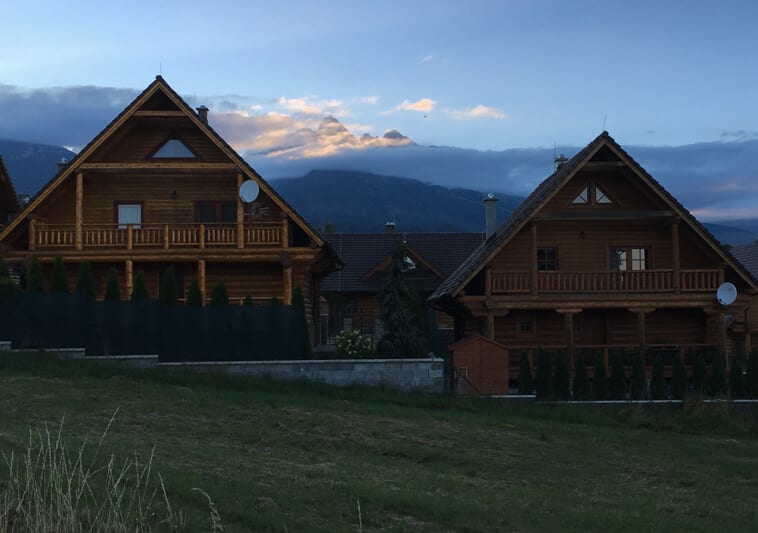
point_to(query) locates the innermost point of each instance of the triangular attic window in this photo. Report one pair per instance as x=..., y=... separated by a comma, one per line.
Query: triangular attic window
x=601, y=197
x=174, y=149
x=583, y=197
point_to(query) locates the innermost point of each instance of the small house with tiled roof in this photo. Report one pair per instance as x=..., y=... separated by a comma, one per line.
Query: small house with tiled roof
x=158, y=187
x=352, y=293
x=8, y=199
x=600, y=258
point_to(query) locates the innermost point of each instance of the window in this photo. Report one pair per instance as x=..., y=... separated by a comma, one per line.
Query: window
x=547, y=259
x=583, y=197
x=128, y=213
x=592, y=194
x=217, y=212
x=629, y=258
x=601, y=197
x=174, y=149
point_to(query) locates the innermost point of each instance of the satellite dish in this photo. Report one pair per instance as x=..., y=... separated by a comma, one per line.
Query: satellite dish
x=726, y=293
x=249, y=191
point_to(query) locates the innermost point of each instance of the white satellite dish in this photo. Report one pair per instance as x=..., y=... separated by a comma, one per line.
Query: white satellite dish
x=726, y=293
x=249, y=191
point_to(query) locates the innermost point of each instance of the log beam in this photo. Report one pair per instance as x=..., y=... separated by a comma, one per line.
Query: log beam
x=129, y=269
x=162, y=165
x=78, y=210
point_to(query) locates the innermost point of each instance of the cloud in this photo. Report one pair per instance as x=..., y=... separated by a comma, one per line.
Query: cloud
x=425, y=105
x=479, y=111
x=739, y=135
x=307, y=106
x=370, y=100
x=428, y=58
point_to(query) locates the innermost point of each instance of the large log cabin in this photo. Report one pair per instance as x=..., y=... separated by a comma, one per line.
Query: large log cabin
x=600, y=258
x=159, y=187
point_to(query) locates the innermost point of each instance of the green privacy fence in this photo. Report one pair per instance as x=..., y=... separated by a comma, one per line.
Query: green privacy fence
x=211, y=333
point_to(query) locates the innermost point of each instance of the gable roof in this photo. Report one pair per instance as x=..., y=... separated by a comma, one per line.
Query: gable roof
x=364, y=253
x=8, y=197
x=452, y=286
x=747, y=254
x=160, y=85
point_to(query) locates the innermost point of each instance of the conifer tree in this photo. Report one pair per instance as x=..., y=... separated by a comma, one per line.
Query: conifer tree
x=85, y=283
x=658, y=381
x=561, y=379
x=139, y=290
x=678, y=379
x=58, y=277
x=168, y=293
x=618, y=377
x=219, y=296
x=699, y=376
x=543, y=379
x=7, y=286
x=525, y=379
x=600, y=379
x=194, y=294
x=736, y=380
x=751, y=376
x=35, y=281
x=718, y=375
x=402, y=336
x=581, y=380
x=638, y=384
x=112, y=289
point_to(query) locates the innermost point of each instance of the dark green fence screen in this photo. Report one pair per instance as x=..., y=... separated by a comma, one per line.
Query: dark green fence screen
x=211, y=333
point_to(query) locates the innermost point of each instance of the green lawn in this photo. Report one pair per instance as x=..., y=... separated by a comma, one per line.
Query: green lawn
x=300, y=457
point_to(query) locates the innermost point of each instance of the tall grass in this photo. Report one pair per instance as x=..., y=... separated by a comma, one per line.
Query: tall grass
x=51, y=488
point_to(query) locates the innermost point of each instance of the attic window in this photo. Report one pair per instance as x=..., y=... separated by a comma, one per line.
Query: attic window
x=583, y=197
x=174, y=149
x=601, y=197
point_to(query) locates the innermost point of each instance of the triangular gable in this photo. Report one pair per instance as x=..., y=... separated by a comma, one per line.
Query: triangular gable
x=173, y=148
x=8, y=197
x=606, y=149
x=159, y=96
x=411, y=253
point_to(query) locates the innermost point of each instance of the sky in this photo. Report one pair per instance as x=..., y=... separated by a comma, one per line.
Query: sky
x=474, y=75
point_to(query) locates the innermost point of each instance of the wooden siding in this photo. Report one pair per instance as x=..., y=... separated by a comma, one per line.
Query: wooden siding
x=483, y=366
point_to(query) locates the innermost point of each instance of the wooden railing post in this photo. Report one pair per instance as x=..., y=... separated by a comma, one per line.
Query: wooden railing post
x=32, y=235
x=165, y=237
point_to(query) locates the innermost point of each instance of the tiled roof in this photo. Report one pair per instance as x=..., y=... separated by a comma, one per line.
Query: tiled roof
x=449, y=288
x=362, y=252
x=747, y=254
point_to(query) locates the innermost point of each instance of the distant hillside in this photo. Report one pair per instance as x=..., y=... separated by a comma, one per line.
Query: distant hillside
x=363, y=202
x=31, y=165
x=730, y=233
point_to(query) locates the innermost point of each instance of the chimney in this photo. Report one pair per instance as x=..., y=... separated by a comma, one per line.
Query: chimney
x=490, y=214
x=389, y=227
x=559, y=161
x=202, y=112
x=62, y=163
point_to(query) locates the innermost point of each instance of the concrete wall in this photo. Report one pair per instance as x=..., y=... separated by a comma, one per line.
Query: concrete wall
x=423, y=374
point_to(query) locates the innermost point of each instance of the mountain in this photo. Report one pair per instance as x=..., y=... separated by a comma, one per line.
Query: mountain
x=730, y=233
x=31, y=165
x=363, y=202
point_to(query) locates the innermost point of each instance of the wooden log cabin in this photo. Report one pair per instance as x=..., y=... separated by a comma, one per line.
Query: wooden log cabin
x=600, y=258
x=159, y=187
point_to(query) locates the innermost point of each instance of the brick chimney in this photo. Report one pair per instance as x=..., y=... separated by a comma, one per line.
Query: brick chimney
x=202, y=112
x=490, y=215
x=389, y=227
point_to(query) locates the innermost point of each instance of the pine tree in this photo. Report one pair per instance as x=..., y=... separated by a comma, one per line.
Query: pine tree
x=678, y=379
x=112, y=289
x=85, y=283
x=525, y=379
x=581, y=380
x=561, y=378
x=638, y=385
x=298, y=302
x=194, y=295
x=618, y=377
x=736, y=381
x=35, y=281
x=168, y=293
x=751, y=376
x=59, y=278
x=402, y=336
x=543, y=379
x=219, y=296
x=658, y=381
x=7, y=286
x=600, y=380
x=718, y=375
x=139, y=290
x=699, y=376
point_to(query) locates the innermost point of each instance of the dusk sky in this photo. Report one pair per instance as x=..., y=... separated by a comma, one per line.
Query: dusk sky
x=483, y=75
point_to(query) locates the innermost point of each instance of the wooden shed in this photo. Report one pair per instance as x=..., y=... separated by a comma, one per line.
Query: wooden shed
x=480, y=366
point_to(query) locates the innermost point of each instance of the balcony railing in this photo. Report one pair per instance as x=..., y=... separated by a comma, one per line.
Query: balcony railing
x=606, y=281
x=166, y=236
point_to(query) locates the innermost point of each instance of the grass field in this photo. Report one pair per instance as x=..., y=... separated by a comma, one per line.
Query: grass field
x=302, y=457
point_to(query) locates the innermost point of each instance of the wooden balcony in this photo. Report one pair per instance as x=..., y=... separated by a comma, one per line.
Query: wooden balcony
x=155, y=236
x=629, y=281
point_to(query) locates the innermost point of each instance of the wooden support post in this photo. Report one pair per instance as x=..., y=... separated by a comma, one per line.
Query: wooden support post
x=533, y=258
x=129, y=277
x=641, y=333
x=488, y=281
x=568, y=317
x=78, y=210
x=677, y=281
x=240, y=214
x=287, y=273
x=32, y=235
x=129, y=236
x=201, y=277
x=748, y=329
x=165, y=237
x=722, y=274
x=489, y=326
x=201, y=237
x=721, y=319
x=285, y=231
